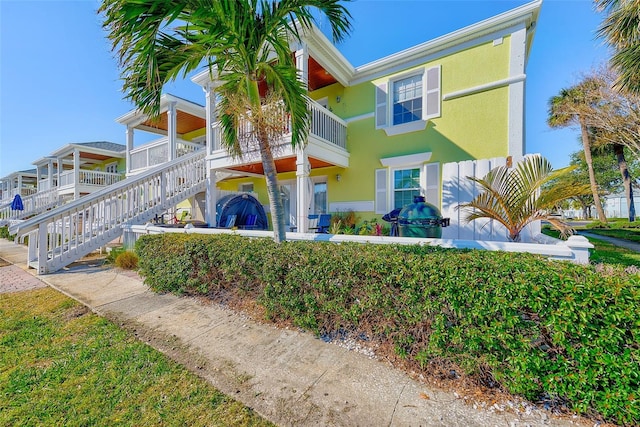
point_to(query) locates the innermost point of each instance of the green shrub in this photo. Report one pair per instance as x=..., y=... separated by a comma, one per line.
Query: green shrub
x=4, y=233
x=127, y=260
x=538, y=328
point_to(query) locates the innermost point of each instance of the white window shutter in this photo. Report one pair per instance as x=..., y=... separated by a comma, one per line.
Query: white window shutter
x=432, y=173
x=381, y=206
x=433, y=93
x=381, y=105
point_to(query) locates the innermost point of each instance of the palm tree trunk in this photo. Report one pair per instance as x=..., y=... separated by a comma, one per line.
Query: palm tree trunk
x=592, y=176
x=269, y=167
x=618, y=149
x=275, y=198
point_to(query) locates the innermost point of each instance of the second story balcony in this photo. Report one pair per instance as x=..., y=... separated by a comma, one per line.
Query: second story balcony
x=86, y=181
x=326, y=142
x=157, y=152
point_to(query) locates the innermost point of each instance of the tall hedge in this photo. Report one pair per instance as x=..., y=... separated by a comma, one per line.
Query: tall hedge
x=538, y=328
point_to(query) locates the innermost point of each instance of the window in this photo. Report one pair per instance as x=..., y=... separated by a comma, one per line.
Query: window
x=111, y=168
x=406, y=185
x=405, y=103
x=407, y=100
x=247, y=187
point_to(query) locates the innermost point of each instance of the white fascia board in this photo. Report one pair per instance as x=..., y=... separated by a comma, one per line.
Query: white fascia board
x=43, y=161
x=68, y=149
x=327, y=55
x=135, y=117
x=182, y=104
x=489, y=29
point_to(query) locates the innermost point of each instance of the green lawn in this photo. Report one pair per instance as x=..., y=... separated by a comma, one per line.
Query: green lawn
x=605, y=252
x=62, y=365
x=632, y=235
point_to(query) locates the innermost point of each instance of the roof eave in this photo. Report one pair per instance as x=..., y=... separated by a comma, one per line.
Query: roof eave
x=526, y=15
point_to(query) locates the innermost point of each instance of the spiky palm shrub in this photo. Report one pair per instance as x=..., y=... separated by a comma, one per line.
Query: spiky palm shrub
x=517, y=196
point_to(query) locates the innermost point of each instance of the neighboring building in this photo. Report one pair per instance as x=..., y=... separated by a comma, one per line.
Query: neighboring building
x=23, y=183
x=616, y=206
x=68, y=173
x=77, y=169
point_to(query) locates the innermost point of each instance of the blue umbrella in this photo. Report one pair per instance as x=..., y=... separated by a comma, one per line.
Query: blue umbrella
x=17, y=205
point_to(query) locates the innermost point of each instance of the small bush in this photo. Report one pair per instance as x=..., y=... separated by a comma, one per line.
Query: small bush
x=4, y=233
x=540, y=329
x=127, y=260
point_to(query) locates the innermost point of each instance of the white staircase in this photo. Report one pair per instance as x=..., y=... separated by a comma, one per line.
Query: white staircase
x=67, y=233
x=33, y=205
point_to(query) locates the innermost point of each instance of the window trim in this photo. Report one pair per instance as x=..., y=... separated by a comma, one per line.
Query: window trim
x=384, y=100
x=383, y=183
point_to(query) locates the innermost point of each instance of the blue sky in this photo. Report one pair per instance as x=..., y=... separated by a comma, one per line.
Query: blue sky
x=59, y=82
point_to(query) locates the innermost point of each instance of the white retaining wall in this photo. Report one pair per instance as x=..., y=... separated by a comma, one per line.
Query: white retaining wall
x=575, y=249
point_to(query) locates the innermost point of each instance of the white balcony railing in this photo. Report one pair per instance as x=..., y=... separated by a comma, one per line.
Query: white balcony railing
x=89, y=178
x=7, y=196
x=157, y=152
x=324, y=125
x=47, y=184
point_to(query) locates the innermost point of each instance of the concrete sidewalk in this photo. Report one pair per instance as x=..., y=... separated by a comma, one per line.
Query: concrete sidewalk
x=289, y=377
x=627, y=244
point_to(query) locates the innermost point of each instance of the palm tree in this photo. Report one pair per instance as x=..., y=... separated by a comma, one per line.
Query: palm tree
x=520, y=195
x=571, y=107
x=621, y=29
x=244, y=44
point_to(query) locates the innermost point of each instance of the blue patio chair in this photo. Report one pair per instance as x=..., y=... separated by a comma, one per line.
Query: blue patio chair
x=250, y=222
x=324, y=223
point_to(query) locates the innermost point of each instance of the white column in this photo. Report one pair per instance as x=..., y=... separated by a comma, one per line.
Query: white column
x=37, y=178
x=129, y=139
x=19, y=188
x=211, y=117
x=76, y=173
x=303, y=198
x=50, y=173
x=60, y=170
x=211, y=198
x=302, y=63
x=172, y=130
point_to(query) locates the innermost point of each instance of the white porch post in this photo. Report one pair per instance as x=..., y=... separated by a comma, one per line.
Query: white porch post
x=211, y=117
x=50, y=173
x=37, y=178
x=172, y=130
x=60, y=170
x=19, y=188
x=303, y=168
x=302, y=63
x=211, y=198
x=76, y=173
x=129, y=139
